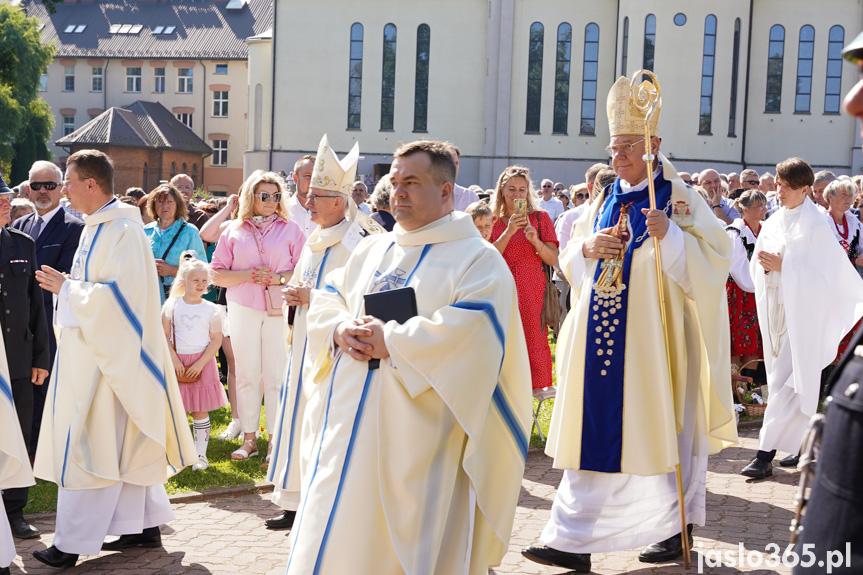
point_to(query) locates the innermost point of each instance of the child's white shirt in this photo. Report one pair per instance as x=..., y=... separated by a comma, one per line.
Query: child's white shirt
x=192, y=324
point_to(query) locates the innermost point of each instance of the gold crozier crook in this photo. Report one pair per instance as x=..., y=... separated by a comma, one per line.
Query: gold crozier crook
x=648, y=99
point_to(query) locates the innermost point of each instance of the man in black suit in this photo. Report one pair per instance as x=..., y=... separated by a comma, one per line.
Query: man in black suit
x=55, y=232
x=25, y=334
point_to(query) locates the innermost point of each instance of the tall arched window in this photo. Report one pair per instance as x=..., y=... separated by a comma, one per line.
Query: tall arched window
x=649, y=42
x=735, y=64
x=421, y=84
x=833, y=87
x=805, y=52
x=355, y=77
x=775, y=56
x=561, y=79
x=388, y=78
x=624, y=51
x=706, y=109
x=534, y=77
x=173, y=169
x=184, y=169
x=588, y=81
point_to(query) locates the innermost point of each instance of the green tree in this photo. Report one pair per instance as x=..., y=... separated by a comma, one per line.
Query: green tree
x=25, y=119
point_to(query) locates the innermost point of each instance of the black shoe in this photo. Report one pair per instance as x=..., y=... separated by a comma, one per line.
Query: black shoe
x=53, y=557
x=667, y=550
x=150, y=539
x=285, y=520
x=579, y=562
x=758, y=469
x=23, y=530
x=790, y=461
x=4, y=571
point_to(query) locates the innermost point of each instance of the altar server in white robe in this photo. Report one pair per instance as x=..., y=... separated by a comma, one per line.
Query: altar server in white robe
x=338, y=230
x=14, y=461
x=808, y=299
x=617, y=428
x=114, y=425
x=415, y=466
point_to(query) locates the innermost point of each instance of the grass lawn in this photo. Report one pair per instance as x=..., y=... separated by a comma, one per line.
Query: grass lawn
x=222, y=471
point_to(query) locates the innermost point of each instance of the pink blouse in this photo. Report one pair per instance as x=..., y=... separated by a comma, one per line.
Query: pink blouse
x=280, y=248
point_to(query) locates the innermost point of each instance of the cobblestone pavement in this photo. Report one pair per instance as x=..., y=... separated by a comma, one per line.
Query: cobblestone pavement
x=226, y=535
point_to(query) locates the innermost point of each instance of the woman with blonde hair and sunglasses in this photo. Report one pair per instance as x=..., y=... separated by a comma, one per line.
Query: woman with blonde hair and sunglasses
x=254, y=258
x=525, y=237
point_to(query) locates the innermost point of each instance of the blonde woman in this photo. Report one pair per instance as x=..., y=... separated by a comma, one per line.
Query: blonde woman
x=255, y=256
x=526, y=242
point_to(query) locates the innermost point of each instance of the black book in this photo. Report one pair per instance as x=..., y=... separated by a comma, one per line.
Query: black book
x=398, y=304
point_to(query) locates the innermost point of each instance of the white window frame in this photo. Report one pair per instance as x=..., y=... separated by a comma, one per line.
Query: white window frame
x=185, y=81
x=68, y=125
x=220, y=152
x=158, y=81
x=68, y=74
x=94, y=77
x=186, y=119
x=133, y=81
x=220, y=103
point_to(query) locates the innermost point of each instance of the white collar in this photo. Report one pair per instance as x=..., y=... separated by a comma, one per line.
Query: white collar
x=47, y=217
x=626, y=188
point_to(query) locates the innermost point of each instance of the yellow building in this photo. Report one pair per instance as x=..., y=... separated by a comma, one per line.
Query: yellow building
x=190, y=56
x=746, y=83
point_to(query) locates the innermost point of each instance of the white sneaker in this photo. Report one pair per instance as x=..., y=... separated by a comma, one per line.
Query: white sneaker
x=202, y=464
x=233, y=431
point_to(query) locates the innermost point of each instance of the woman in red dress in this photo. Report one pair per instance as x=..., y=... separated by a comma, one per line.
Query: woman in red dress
x=526, y=242
x=839, y=195
x=745, y=333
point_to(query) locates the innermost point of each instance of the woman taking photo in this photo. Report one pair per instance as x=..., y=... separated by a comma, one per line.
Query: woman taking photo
x=170, y=234
x=740, y=290
x=254, y=258
x=526, y=239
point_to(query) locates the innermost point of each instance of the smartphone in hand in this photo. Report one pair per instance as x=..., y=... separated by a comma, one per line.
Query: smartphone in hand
x=520, y=207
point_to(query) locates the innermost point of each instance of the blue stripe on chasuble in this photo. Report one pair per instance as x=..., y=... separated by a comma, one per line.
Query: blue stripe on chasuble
x=605, y=353
x=6, y=389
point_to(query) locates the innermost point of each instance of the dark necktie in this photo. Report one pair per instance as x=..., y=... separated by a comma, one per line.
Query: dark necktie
x=37, y=228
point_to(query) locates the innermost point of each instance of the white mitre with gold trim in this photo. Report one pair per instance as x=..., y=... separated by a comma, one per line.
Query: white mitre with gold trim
x=336, y=175
x=624, y=117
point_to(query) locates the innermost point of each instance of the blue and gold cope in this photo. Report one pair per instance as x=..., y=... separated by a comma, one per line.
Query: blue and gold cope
x=602, y=431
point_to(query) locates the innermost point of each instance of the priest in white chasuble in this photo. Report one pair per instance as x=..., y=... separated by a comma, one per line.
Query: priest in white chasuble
x=618, y=429
x=340, y=226
x=416, y=465
x=115, y=426
x=808, y=298
x=14, y=460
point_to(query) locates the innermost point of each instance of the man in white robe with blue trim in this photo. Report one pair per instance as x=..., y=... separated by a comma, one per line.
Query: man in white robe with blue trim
x=14, y=461
x=416, y=466
x=617, y=426
x=340, y=226
x=114, y=425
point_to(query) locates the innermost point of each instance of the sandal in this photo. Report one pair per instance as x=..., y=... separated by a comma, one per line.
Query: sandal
x=241, y=454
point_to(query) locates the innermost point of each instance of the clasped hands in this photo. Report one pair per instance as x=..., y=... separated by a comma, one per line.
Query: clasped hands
x=603, y=245
x=362, y=338
x=264, y=276
x=296, y=294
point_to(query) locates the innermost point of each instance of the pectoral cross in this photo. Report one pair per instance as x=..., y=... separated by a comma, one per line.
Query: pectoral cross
x=611, y=266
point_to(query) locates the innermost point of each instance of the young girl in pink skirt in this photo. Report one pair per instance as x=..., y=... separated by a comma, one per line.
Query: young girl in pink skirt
x=193, y=327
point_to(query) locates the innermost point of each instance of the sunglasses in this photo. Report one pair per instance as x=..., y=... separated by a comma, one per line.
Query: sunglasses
x=751, y=182
x=558, y=189
x=516, y=171
x=581, y=196
x=47, y=185
x=268, y=197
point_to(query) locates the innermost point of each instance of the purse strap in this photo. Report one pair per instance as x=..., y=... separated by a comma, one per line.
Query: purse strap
x=173, y=330
x=545, y=267
x=174, y=241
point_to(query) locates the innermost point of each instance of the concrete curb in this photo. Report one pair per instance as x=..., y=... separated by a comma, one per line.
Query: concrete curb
x=190, y=497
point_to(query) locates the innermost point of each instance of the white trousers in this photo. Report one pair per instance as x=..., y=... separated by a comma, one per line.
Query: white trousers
x=7, y=544
x=260, y=359
x=85, y=517
x=785, y=422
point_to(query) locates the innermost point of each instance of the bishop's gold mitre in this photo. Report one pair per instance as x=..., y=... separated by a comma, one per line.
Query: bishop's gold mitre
x=333, y=174
x=624, y=117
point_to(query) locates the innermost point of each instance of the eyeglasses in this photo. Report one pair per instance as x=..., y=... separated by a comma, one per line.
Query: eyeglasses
x=69, y=182
x=268, y=197
x=581, y=196
x=751, y=182
x=625, y=149
x=311, y=198
x=558, y=189
x=47, y=185
x=511, y=171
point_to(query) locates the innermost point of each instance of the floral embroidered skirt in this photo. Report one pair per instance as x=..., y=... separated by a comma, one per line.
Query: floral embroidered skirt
x=745, y=332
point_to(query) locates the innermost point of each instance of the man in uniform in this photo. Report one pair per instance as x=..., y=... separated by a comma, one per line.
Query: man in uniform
x=417, y=464
x=25, y=335
x=326, y=250
x=621, y=421
x=114, y=426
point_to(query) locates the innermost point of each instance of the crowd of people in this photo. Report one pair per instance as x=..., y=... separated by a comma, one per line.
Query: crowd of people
x=345, y=313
